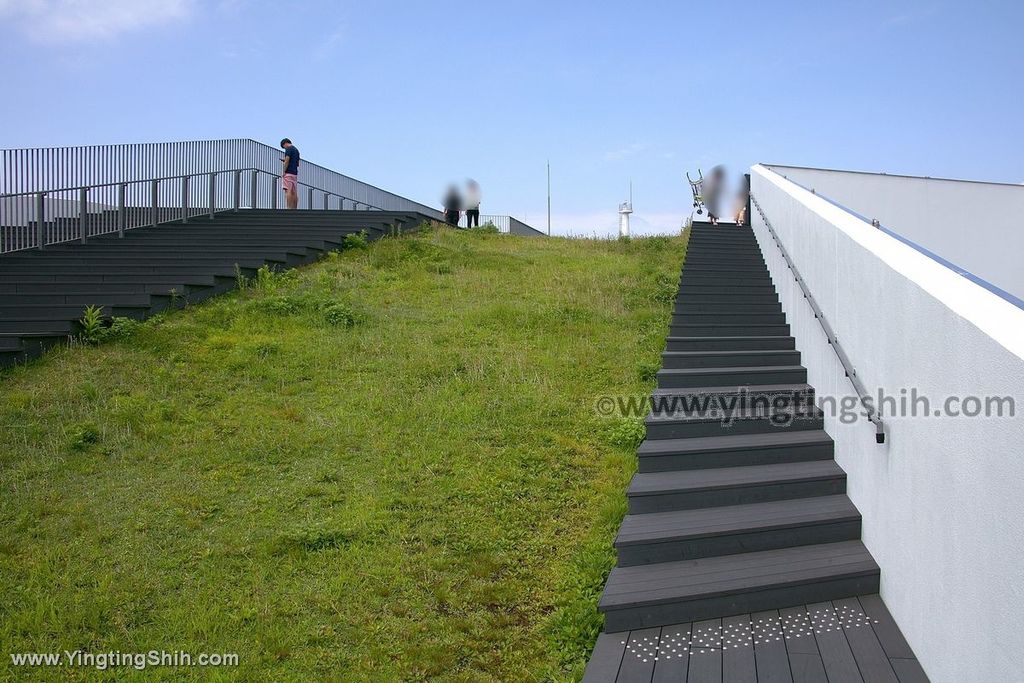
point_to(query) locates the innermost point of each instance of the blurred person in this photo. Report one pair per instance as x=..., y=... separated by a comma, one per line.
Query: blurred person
x=452, y=205
x=290, y=173
x=714, y=186
x=742, y=198
x=472, y=204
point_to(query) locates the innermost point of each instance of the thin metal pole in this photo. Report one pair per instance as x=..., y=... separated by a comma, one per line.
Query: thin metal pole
x=327, y=201
x=122, y=190
x=213, y=194
x=273, y=192
x=238, y=189
x=310, y=204
x=184, y=199
x=40, y=220
x=549, y=198
x=83, y=212
x=154, y=207
x=252, y=190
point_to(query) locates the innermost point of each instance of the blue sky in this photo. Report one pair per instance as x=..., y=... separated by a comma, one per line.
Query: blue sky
x=410, y=95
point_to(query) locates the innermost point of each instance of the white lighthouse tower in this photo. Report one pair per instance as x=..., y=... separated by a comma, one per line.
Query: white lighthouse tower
x=625, y=208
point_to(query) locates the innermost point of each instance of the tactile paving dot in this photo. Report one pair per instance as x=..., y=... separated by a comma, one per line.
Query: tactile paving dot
x=675, y=643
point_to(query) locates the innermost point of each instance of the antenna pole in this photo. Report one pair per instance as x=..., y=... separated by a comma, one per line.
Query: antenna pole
x=549, y=198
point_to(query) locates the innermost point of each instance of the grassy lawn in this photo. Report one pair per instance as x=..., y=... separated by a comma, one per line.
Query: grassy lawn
x=384, y=467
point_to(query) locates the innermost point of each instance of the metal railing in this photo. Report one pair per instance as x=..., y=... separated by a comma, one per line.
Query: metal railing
x=500, y=222
x=53, y=195
x=505, y=224
x=866, y=401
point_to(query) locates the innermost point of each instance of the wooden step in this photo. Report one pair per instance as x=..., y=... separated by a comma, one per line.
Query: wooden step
x=720, y=486
x=734, y=450
x=707, y=532
x=725, y=376
x=676, y=592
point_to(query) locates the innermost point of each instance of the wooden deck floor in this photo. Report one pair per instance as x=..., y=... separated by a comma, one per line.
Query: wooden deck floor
x=843, y=641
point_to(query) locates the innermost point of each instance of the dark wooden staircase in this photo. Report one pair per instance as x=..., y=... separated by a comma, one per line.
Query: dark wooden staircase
x=738, y=515
x=43, y=293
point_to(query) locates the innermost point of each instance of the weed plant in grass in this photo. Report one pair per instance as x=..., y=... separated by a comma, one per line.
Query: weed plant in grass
x=384, y=467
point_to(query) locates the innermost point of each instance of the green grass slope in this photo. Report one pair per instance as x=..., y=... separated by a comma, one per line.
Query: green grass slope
x=387, y=466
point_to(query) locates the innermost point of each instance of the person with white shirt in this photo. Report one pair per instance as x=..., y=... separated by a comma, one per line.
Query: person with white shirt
x=472, y=204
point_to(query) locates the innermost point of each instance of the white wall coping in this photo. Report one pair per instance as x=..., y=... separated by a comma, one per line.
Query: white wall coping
x=1015, y=300
x=994, y=315
x=772, y=167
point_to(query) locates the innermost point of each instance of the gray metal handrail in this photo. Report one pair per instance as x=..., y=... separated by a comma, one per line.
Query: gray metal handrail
x=35, y=219
x=60, y=194
x=504, y=224
x=59, y=168
x=833, y=339
x=498, y=221
x=311, y=188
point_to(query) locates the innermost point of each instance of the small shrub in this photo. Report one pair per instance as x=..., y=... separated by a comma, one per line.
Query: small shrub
x=269, y=280
x=83, y=435
x=312, y=539
x=120, y=328
x=439, y=267
x=666, y=288
x=355, y=241
x=485, y=229
x=264, y=280
x=265, y=349
x=648, y=372
x=92, y=325
x=241, y=281
x=278, y=305
x=627, y=432
x=340, y=315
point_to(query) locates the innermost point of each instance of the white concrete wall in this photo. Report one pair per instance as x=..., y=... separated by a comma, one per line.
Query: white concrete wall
x=943, y=498
x=978, y=226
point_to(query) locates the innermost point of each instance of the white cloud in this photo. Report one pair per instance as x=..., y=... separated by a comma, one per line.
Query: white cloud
x=908, y=18
x=625, y=152
x=83, y=20
x=329, y=44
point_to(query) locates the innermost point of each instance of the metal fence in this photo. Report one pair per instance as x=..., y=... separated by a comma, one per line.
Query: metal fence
x=60, y=194
x=506, y=224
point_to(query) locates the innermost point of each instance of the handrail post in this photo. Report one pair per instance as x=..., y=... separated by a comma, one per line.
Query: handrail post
x=83, y=212
x=122, y=191
x=184, y=199
x=155, y=204
x=41, y=220
x=309, y=204
x=273, y=192
x=238, y=190
x=252, y=190
x=327, y=200
x=213, y=194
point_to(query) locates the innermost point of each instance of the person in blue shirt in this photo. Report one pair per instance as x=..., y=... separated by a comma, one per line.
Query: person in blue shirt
x=290, y=173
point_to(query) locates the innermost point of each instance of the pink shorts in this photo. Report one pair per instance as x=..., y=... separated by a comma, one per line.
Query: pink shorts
x=289, y=182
